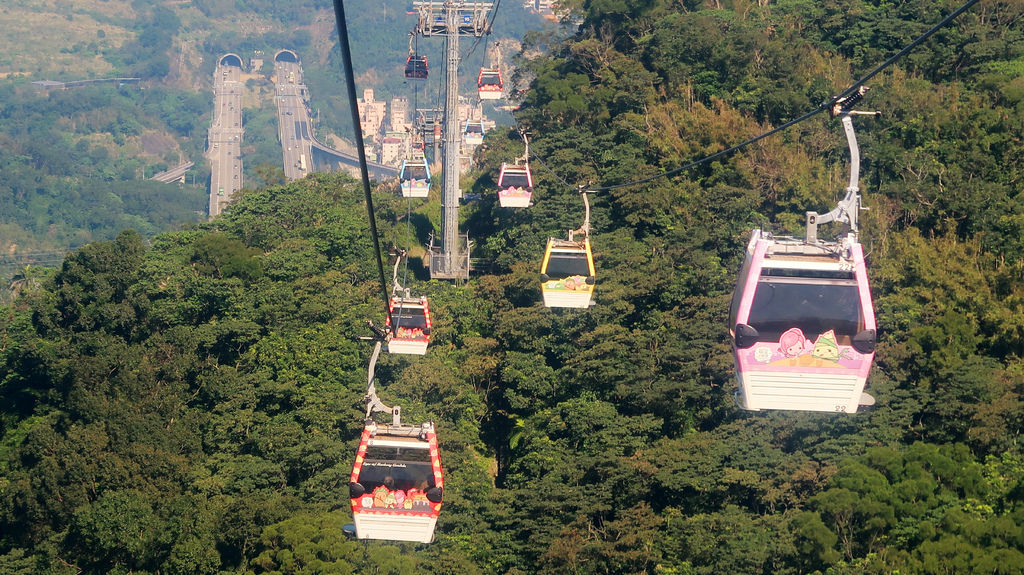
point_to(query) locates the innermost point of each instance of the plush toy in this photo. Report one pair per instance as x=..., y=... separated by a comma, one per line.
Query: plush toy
x=380, y=496
x=418, y=500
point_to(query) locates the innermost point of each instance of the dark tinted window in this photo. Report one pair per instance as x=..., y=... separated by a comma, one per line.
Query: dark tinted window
x=814, y=306
x=514, y=179
x=413, y=172
x=401, y=468
x=563, y=265
x=408, y=317
x=403, y=454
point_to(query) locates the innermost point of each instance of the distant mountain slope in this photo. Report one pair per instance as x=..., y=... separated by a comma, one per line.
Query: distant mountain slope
x=70, y=155
x=192, y=406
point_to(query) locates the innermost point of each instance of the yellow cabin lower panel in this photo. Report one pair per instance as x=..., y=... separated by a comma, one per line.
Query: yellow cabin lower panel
x=560, y=298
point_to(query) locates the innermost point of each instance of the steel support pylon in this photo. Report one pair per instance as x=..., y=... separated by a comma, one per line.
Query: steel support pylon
x=451, y=19
x=450, y=249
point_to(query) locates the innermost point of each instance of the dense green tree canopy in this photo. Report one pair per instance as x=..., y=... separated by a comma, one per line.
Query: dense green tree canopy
x=192, y=404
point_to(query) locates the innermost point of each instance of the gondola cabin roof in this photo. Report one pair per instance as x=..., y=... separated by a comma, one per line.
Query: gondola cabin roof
x=408, y=324
x=567, y=274
x=803, y=326
x=396, y=486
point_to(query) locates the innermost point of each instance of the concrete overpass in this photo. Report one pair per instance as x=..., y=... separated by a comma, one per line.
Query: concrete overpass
x=327, y=159
x=175, y=173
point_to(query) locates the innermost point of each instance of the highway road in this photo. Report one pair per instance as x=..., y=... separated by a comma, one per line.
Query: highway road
x=224, y=140
x=294, y=128
x=303, y=153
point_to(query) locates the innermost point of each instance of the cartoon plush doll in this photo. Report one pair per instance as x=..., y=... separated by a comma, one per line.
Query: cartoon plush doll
x=380, y=496
x=399, y=499
x=419, y=500
x=793, y=343
x=409, y=333
x=574, y=282
x=390, y=501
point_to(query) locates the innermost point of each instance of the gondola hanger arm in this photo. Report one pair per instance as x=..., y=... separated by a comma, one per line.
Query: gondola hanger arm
x=397, y=288
x=848, y=209
x=585, y=228
x=379, y=334
x=373, y=402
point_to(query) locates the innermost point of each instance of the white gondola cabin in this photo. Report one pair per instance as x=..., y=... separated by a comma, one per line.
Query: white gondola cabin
x=802, y=325
x=473, y=134
x=515, y=186
x=567, y=274
x=414, y=178
x=489, y=84
x=396, y=484
x=416, y=67
x=408, y=323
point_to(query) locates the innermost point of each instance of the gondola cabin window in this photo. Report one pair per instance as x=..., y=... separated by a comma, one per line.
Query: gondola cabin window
x=812, y=301
x=510, y=179
x=414, y=172
x=563, y=265
x=409, y=322
x=396, y=479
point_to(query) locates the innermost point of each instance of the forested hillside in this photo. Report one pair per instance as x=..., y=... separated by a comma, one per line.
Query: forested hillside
x=73, y=166
x=73, y=162
x=193, y=405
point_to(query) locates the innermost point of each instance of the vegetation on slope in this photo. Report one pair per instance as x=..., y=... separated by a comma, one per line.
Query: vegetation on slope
x=73, y=162
x=193, y=406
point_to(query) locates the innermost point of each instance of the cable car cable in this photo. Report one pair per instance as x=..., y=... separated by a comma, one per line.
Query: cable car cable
x=494, y=14
x=552, y=171
x=408, y=240
x=423, y=530
x=486, y=33
x=346, y=58
x=536, y=158
x=824, y=106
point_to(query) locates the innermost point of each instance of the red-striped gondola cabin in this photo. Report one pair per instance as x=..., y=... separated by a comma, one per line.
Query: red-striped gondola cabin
x=396, y=484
